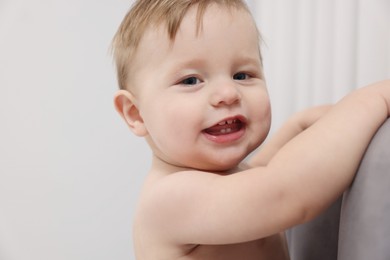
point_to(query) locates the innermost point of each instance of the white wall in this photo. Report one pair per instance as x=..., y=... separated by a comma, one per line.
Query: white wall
x=70, y=170
x=316, y=51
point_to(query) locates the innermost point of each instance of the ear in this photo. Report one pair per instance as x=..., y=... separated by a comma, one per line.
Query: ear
x=125, y=105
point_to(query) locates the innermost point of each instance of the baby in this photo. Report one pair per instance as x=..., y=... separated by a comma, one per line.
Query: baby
x=192, y=84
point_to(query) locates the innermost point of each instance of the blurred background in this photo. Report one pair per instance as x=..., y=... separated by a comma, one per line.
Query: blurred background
x=70, y=170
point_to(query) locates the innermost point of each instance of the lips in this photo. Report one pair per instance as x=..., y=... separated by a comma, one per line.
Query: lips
x=225, y=127
x=227, y=130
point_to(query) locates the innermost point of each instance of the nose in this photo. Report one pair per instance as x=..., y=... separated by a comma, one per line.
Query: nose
x=225, y=93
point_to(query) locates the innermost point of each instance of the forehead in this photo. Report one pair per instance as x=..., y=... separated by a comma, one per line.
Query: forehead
x=221, y=29
x=198, y=23
x=194, y=22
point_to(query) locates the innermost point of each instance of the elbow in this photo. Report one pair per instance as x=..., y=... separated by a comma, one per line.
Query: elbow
x=304, y=211
x=308, y=211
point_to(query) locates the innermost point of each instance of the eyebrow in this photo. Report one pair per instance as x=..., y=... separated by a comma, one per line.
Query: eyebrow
x=177, y=67
x=249, y=60
x=200, y=62
x=190, y=63
x=252, y=62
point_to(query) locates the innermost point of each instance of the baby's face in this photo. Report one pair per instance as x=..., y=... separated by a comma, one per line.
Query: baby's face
x=202, y=97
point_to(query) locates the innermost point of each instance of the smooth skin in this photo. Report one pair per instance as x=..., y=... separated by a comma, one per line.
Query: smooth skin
x=199, y=201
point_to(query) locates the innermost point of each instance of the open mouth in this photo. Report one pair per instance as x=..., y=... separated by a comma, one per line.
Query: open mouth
x=225, y=127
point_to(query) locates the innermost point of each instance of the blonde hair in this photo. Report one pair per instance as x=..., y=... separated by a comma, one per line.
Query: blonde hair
x=147, y=13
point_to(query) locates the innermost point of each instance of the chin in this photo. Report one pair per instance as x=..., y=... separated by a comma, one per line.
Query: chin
x=224, y=165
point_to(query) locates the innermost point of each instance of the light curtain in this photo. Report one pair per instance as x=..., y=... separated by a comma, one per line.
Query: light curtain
x=316, y=51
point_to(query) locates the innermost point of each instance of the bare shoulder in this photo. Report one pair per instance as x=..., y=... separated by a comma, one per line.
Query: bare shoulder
x=168, y=194
x=172, y=220
x=199, y=208
x=164, y=200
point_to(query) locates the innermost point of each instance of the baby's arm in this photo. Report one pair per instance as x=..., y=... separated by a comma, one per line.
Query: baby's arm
x=291, y=128
x=300, y=180
x=320, y=163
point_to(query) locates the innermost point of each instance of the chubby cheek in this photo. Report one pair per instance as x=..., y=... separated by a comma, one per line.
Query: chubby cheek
x=262, y=117
x=170, y=128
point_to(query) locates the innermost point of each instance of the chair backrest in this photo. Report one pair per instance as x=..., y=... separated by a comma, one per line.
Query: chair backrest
x=357, y=225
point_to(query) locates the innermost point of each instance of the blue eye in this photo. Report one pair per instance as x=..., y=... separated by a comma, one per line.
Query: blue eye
x=241, y=76
x=190, y=81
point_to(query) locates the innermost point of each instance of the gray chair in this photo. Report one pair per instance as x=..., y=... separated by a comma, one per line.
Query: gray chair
x=357, y=225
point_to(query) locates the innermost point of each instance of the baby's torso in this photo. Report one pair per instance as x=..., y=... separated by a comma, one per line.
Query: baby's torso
x=149, y=244
x=271, y=248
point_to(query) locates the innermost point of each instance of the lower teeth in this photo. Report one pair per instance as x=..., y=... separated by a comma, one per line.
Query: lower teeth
x=225, y=131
